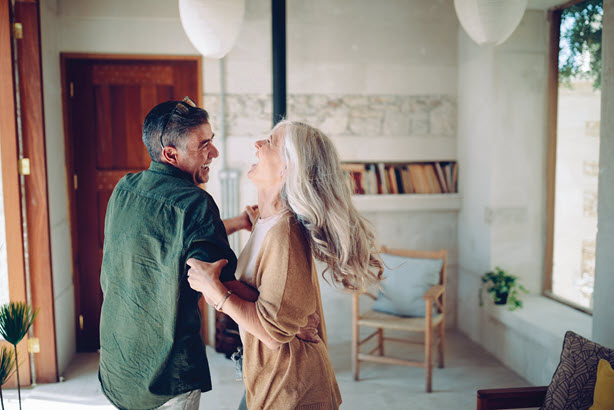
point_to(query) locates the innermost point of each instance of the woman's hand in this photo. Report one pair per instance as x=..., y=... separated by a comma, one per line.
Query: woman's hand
x=309, y=333
x=204, y=277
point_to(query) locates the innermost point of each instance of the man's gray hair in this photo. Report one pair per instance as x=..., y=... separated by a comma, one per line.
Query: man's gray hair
x=180, y=119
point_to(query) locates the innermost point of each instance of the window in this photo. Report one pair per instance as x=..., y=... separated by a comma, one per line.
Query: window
x=573, y=152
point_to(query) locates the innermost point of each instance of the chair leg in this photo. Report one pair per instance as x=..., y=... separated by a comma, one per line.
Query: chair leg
x=380, y=341
x=441, y=343
x=428, y=348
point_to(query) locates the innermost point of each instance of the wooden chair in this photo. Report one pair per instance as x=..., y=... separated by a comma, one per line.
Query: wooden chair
x=435, y=296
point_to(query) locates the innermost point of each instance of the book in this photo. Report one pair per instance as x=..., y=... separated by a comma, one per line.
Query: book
x=385, y=189
x=448, y=173
x=392, y=178
x=418, y=179
x=441, y=178
x=455, y=178
x=358, y=187
x=398, y=173
x=431, y=177
x=407, y=186
x=352, y=167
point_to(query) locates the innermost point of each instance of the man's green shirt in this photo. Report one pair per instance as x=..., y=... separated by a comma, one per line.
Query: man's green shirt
x=150, y=344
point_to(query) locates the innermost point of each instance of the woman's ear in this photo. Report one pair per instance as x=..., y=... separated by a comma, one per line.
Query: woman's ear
x=169, y=155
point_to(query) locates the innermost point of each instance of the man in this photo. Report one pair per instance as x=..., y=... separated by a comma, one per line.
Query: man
x=151, y=352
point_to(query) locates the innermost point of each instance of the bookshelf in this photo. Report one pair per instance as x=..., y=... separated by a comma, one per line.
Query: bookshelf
x=401, y=173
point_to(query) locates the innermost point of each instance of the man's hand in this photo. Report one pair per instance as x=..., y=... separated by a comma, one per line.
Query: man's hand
x=245, y=220
x=309, y=333
x=205, y=278
x=248, y=217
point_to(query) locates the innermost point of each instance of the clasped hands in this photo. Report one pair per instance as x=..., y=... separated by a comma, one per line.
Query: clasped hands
x=204, y=277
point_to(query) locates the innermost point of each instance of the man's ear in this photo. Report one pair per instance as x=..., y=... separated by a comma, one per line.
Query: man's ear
x=169, y=155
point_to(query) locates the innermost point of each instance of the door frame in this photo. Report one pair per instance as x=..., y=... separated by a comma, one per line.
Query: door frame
x=37, y=258
x=10, y=178
x=65, y=58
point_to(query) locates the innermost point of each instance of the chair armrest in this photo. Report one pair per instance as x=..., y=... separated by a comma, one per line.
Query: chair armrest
x=514, y=398
x=434, y=292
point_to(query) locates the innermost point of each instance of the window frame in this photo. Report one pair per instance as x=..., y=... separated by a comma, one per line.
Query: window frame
x=554, y=19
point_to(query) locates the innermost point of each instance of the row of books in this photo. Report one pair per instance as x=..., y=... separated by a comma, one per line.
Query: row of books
x=411, y=178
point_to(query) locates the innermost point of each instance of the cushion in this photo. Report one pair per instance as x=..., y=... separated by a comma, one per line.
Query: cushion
x=603, y=399
x=407, y=279
x=574, y=379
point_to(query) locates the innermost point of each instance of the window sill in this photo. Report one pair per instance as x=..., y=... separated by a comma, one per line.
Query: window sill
x=543, y=320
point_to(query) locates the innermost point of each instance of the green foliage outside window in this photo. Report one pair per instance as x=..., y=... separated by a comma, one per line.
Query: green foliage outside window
x=580, y=43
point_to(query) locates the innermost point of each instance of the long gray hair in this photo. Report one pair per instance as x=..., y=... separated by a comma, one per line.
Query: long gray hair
x=315, y=190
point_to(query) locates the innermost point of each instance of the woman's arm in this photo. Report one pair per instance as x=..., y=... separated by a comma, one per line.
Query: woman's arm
x=242, y=290
x=244, y=313
x=203, y=277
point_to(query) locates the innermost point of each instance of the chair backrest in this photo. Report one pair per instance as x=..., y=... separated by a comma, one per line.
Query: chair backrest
x=441, y=254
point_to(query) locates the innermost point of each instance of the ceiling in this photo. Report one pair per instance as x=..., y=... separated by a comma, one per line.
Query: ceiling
x=544, y=4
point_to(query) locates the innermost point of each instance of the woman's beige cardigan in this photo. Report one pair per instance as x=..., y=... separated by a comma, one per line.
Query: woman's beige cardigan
x=298, y=375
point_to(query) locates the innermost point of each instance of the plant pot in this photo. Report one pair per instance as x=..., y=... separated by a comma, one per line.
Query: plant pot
x=501, y=299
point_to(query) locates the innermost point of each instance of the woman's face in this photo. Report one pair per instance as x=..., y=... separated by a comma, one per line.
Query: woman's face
x=268, y=172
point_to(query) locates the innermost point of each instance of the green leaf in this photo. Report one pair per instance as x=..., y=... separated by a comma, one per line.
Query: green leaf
x=7, y=364
x=15, y=321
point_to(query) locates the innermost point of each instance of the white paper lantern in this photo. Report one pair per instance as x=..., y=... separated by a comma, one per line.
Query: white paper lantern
x=212, y=25
x=490, y=22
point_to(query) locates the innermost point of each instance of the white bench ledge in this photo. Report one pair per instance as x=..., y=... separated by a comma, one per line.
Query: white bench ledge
x=543, y=320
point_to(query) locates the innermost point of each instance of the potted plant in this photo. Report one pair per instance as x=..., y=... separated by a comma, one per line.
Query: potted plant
x=503, y=287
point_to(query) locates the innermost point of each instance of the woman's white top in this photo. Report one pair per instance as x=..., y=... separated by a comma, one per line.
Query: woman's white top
x=247, y=259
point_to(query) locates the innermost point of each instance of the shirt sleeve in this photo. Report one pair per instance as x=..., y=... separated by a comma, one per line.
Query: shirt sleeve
x=284, y=279
x=207, y=241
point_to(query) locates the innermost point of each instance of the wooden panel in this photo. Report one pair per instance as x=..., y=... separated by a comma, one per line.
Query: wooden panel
x=104, y=154
x=84, y=134
x=118, y=125
x=130, y=74
x=149, y=99
x=10, y=181
x=133, y=144
x=37, y=208
x=102, y=202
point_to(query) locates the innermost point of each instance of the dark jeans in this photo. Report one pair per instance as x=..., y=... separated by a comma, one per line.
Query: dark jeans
x=243, y=404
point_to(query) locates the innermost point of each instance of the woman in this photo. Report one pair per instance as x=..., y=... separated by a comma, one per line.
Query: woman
x=305, y=210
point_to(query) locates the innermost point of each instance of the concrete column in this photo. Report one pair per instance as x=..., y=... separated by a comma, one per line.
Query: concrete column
x=603, y=307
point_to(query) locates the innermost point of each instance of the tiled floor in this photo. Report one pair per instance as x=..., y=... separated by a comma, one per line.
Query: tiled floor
x=468, y=368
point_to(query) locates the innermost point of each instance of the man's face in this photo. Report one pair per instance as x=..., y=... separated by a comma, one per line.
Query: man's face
x=197, y=154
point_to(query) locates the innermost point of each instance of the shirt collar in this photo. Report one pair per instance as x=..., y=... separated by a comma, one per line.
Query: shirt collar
x=166, y=169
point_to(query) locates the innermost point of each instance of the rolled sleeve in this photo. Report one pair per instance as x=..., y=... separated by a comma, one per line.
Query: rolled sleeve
x=287, y=294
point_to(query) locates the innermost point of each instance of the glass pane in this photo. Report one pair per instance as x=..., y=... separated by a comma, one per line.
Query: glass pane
x=577, y=153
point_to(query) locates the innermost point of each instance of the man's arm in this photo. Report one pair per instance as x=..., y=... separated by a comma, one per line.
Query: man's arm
x=244, y=220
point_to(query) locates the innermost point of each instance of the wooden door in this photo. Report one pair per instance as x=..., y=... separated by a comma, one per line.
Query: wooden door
x=107, y=102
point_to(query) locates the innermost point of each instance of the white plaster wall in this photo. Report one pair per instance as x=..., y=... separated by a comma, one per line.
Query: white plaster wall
x=475, y=106
x=334, y=47
x=63, y=289
x=502, y=140
x=603, y=326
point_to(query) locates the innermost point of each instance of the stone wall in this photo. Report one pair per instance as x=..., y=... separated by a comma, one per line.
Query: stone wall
x=342, y=115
